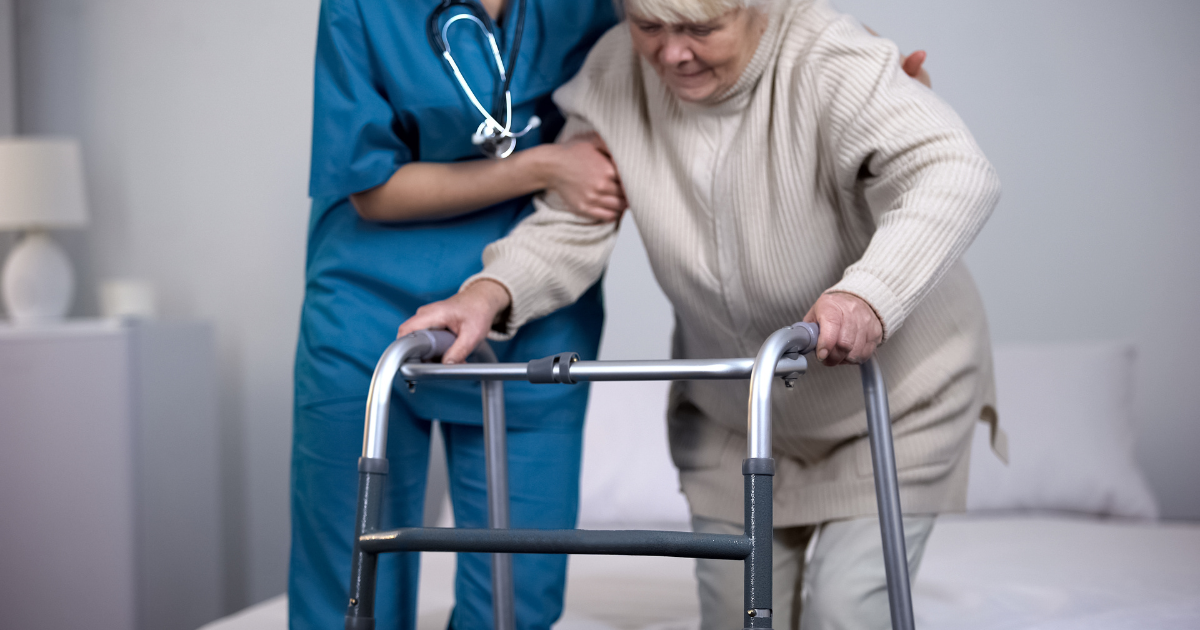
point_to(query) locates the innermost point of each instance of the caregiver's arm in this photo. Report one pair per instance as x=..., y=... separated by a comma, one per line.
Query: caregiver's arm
x=904, y=152
x=578, y=170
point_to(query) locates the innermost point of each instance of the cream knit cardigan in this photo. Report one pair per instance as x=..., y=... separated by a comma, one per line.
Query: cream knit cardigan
x=823, y=168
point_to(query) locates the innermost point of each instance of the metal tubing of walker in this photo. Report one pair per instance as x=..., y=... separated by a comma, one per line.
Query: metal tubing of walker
x=676, y=370
x=794, y=341
x=372, y=472
x=495, y=441
x=887, y=495
x=758, y=469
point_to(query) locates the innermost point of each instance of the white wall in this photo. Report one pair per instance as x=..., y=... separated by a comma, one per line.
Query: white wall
x=195, y=119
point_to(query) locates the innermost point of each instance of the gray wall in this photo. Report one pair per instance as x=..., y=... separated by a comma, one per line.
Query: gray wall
x=8, y=70
x=8, y=87
x=195, y=119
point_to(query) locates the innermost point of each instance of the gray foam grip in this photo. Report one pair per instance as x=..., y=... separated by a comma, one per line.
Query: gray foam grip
x=439, y=342
x=814, y=331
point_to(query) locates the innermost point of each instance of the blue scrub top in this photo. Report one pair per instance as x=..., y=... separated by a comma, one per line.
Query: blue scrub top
x=385, y=98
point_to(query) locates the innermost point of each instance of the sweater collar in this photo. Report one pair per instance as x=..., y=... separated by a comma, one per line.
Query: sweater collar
x=738, y=96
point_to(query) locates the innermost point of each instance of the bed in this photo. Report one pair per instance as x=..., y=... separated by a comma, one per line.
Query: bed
x=1064, y=537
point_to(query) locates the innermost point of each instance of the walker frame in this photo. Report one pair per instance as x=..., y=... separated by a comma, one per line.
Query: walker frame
x=780, y=355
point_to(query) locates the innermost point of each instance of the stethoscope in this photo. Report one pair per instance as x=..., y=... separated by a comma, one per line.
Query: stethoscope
x=494, y=138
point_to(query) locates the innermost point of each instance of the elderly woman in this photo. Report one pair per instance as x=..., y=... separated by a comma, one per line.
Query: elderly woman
x=779, y=165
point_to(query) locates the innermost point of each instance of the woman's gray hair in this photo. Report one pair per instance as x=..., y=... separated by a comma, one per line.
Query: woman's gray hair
x=685, y=10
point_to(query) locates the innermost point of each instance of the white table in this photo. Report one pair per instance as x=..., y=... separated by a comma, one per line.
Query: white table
x=109, y=506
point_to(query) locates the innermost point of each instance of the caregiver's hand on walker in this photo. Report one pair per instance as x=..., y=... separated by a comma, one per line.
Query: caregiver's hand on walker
x=468, y=314
x=850, y=329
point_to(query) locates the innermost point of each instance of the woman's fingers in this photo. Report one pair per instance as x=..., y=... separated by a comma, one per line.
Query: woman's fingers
x=470, y=335
x=850, y=330
x=422, y=320
x=468, y=314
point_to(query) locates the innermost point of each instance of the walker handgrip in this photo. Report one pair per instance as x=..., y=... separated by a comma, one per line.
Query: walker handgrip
x=814, y=331
x=439, y=342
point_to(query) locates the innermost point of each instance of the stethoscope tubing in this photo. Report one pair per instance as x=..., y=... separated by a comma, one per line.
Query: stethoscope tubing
x=490, y=128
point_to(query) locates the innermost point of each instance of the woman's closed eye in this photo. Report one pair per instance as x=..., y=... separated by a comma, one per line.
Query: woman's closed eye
x=648, y=27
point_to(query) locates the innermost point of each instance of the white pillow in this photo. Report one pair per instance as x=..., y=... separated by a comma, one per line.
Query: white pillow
x=1068, y=411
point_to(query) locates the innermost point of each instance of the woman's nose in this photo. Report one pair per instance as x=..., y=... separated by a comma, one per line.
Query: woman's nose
x=676, y=51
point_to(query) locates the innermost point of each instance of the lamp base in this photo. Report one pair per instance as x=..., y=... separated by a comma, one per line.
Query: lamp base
x=37, y=281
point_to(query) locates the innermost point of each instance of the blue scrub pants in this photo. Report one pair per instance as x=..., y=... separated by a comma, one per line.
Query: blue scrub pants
x=544, y=493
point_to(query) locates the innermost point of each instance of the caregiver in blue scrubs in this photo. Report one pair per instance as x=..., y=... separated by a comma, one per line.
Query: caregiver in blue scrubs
x=403, y=205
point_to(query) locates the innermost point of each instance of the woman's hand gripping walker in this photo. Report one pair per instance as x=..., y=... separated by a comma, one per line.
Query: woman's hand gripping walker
x=780, y=355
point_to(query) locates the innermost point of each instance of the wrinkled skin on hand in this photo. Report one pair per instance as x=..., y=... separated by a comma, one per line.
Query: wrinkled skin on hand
x=468, y=314
x=850, y=329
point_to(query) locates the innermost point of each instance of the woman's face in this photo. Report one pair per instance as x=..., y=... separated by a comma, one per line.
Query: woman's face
x=699, y=60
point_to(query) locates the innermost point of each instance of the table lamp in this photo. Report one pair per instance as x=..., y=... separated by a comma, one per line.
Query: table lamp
x=41, y=189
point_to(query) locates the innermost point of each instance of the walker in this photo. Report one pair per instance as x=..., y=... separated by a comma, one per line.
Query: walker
x=781, y=355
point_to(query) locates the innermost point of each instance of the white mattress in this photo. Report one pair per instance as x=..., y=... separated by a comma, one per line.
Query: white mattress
x=1047, y=573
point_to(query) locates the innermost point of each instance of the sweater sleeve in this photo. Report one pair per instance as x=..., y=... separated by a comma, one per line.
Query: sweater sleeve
x=908, y=156
x=550, y=259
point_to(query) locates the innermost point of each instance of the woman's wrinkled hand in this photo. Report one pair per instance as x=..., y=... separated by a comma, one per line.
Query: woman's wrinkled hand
x=468, y=314
x=582, y=172
x=850, y=330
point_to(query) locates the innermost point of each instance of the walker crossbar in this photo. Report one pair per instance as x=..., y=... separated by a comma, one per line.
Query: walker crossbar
x=780, y=355
x=573, y=541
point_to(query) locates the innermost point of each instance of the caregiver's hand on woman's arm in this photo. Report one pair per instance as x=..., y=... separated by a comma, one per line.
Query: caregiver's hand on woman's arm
x=580, y=171
x=850, y=330
x=586, y=179
x=468, y=314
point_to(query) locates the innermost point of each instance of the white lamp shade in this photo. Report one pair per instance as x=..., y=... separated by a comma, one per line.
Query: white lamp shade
x=41, y=184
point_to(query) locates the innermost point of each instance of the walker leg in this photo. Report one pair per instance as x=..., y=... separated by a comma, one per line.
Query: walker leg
x=496, y=456
x=759, y=474
x=887, y=495
x=360, y=615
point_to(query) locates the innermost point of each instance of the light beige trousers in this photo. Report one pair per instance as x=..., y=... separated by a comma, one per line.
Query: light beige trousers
x=826, y=577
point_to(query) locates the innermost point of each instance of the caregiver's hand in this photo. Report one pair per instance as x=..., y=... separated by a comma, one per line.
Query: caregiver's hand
x=850, y=330
x=913, y=66
x=911, y=63
x=584, y=176
x=468, y=314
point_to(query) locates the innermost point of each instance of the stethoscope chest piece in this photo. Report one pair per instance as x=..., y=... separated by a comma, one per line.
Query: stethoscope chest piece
x=494, y=139
x=493, y=143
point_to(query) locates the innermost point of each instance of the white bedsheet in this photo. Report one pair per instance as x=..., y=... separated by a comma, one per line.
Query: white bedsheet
x=1039, y=572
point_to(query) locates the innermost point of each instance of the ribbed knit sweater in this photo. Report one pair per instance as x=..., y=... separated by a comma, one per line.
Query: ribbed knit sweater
x=824, y=168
